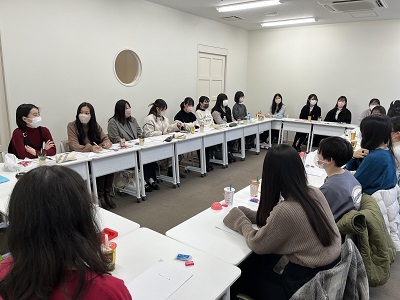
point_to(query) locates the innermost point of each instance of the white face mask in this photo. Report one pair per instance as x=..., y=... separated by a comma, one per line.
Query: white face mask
x=241, y=99
x=313, y=102
x=371, y=107
x=84, y=118
x=225, y=103
x=278, y=100
x=35, y=122
x=317, y=164
x=162, y=113
x=127, y=112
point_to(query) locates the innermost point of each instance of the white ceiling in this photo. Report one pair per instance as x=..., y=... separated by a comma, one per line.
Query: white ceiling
x=290, y=9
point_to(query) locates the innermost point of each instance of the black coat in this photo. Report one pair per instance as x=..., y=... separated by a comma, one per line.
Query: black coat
x=315, y=113
x=343, y=117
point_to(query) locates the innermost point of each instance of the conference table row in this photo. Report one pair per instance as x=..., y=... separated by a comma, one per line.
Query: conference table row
x=134, y=156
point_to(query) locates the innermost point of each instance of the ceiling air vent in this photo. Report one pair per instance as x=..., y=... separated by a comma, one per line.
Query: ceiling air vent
x=337, y=6
x=232, y=18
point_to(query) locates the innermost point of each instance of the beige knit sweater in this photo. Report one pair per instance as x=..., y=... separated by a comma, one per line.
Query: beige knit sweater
x=287, y=232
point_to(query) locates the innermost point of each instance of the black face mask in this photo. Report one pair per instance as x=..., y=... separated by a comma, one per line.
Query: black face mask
x=206, y=106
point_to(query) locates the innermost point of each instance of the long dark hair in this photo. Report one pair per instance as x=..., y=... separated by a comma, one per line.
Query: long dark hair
x=160, y=104
x=218, y=104
x=284, y=174
x=93, y=132
x=375, y=131
x=52, y=231
x=119, y=111
x=201, y=100
x=273, y=106
x=23, y=111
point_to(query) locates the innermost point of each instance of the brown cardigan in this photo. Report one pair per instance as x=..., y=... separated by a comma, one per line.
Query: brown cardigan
x=73, y=140
x=287, y=232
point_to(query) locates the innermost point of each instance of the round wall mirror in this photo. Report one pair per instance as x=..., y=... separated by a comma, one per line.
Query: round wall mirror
x=127, y=67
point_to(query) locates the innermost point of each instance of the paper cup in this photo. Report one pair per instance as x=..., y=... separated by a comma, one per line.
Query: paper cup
x=254, y=184
x=228, y=195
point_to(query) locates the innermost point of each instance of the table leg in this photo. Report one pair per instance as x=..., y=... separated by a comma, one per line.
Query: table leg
x=142, y=182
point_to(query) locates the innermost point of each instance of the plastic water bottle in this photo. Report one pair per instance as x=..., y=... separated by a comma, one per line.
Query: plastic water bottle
x=225, y=122
x=248, y=117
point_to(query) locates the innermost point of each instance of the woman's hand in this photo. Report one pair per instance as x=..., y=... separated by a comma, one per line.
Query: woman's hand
x=96, y=148
x=106, y=145
x=49, y=144
x=360, y=153
x=30, y=150
x=179, y=124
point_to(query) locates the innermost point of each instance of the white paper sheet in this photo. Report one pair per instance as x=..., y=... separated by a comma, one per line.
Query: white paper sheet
x=225, y=228
x=158, y=282
x=311, y=170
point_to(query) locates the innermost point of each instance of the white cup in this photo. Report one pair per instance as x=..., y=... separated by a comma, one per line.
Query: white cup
x=228, y=195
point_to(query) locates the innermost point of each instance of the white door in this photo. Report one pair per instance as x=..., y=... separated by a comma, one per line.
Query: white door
x=4, y=129
x=210, y=75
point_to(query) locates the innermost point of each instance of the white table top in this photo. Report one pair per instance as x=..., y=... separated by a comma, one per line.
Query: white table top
x=142, y=248
x=200, y=232
x=115, y=222
x=6, y=188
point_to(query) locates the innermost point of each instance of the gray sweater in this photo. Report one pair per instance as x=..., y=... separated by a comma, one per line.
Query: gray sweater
x=239, y=111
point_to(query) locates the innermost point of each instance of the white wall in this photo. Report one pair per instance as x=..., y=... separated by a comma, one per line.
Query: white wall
x=358, y=60
x=58, y=54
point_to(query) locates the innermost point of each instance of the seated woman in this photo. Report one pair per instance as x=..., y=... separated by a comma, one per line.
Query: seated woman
x=54, y=242
x=375, y=163
x=239, y=112
x=277, y=109
x=286, y=202
x=27, y=140
x=123, y=125
x=339, y=113
x=311, y=109
x=222, y=114
x=156, y=123
x=186, y=115
x=203, y=116
x=372, y=103
x=86, y=135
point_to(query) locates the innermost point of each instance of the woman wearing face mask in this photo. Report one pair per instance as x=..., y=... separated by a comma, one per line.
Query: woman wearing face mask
x=203, y=116
x=124, y=125
x=310, y=109
x=156, y=123
x=222, y=113
x=27, y=140
x=339, y=113
x=277, y=109
x=372, y=103
x=86, y=135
